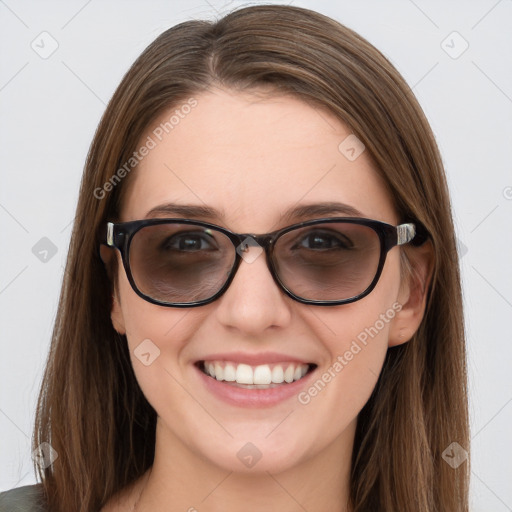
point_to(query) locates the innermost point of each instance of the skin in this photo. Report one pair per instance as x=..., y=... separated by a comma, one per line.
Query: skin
x=252, y=156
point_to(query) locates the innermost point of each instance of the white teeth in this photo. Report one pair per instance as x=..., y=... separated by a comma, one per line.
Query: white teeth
x=229, y=373
x=219, y=372
x=261, y=375
x=244, y=374
x=288, y=374
x=278, y=374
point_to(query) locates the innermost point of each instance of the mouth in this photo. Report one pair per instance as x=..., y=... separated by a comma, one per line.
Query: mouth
x=262, y=376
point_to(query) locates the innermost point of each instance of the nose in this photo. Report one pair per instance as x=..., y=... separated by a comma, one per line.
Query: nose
x=253, y=302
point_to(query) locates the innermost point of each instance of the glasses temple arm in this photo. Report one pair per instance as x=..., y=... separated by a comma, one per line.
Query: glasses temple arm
x=405, y=233
x=110, y=234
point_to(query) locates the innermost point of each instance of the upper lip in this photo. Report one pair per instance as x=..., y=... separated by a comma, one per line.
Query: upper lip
x=255, y=359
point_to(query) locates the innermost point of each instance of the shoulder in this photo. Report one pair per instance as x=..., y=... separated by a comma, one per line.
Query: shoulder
x=29, y=498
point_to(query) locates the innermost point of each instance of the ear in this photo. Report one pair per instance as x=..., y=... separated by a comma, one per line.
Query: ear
x=413, y=293
x=116, y=313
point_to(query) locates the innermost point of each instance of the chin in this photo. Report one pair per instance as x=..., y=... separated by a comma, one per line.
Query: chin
x=255, y=455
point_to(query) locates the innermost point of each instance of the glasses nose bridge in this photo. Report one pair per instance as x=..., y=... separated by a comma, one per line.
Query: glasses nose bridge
x=242, y=242
x=265, y=241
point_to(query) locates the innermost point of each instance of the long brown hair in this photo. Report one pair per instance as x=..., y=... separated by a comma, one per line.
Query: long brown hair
x=91, y=409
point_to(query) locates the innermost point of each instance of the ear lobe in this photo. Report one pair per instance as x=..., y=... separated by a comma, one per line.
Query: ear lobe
x=116, y=315
x=106, y=254
x=413, y=294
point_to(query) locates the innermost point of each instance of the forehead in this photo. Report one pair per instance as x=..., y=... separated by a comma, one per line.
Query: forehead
x=251, y=157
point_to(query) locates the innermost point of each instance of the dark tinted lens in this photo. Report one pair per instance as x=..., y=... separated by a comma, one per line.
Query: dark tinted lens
x=180, y=263
x=330, y=261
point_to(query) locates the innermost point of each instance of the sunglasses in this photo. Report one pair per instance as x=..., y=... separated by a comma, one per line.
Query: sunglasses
x=325, y=262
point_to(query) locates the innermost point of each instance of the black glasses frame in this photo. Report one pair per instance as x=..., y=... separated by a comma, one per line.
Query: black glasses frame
x=120, y=235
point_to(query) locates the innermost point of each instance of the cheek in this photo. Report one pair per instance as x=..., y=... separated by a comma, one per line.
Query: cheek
x=356, y=341
x=355, y=337
x=144, y=320
x=156, y=337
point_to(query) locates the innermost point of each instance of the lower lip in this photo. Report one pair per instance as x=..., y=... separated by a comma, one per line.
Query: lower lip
x=245, y=397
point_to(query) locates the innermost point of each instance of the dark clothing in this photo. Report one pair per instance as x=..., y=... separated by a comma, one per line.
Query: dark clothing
x=29, y=498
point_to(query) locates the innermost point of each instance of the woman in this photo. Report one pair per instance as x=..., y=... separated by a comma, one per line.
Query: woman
x=262, y=304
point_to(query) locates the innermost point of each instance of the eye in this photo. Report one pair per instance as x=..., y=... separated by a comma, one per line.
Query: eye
x=324, y=240
x=190, y=242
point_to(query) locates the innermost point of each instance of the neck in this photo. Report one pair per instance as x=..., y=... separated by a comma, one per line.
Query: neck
x=190, y=483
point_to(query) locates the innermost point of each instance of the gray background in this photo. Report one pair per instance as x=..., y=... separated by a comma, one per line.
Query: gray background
x=50, y=107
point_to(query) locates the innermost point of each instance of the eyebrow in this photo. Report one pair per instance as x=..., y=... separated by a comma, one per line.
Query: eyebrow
x=293, y=214
x=184, y=210
x=320, y=210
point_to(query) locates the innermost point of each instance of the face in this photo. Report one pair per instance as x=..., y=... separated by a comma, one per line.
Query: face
x=252, y=158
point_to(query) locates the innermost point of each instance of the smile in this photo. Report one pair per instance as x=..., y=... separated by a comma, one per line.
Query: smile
x=262, y=376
